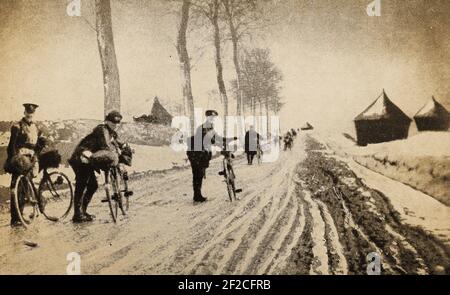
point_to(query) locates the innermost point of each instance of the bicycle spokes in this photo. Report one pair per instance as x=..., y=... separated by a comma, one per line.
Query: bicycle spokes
x=114, y=193
x=55, y=196
x=24, y=199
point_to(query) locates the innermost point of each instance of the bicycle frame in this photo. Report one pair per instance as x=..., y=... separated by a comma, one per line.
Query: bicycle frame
x=228, y=174
x=259, y=154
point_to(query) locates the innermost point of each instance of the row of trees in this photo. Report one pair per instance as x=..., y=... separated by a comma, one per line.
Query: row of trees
x=257, y=80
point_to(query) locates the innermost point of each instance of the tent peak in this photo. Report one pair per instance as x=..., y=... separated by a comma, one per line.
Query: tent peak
x=432, y=107
x=382, y=107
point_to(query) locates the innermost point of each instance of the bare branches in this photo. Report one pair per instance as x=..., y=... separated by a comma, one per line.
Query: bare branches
x=260, y=79
x=195, y=60
x=89, y=24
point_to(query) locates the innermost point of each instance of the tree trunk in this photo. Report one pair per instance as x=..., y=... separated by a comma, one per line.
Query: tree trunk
x=267, y=118
x=185, y=64
x=235, y=41
x=105, y=40
x=254, y=111
x=219, y=67
x=260, y=119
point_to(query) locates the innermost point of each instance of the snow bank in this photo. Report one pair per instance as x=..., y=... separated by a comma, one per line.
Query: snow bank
x=4, y=138
x=421, y=161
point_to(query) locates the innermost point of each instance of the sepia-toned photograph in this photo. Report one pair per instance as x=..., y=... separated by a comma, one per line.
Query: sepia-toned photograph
x=225, y=137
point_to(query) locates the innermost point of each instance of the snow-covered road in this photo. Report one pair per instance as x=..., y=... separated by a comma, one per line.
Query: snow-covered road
x=307, y=213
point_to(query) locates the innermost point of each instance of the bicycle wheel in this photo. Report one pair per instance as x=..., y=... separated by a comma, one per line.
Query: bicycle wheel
x=230, y=190
x=114, y=194
x=55, y=196
x=110, y=191
x=230, y=183
x=123, y=186
x=25, y=201
x=118, y=189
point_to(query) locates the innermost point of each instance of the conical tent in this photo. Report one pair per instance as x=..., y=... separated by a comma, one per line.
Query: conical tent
x=381, y=121
x=432, y=117
x=160, y=114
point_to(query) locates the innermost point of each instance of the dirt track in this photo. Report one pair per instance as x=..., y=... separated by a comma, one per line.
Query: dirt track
x=304, y=214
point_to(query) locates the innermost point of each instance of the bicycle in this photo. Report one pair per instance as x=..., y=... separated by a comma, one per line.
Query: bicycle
x=228, y=174
x=29, y=201
x=259, y=154
x=116, y=188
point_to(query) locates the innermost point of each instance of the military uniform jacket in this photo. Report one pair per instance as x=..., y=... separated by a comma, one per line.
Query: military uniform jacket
x=23, y=135
x=200, y=145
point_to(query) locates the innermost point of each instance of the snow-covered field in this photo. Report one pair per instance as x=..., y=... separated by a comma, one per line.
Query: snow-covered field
x=421, y=161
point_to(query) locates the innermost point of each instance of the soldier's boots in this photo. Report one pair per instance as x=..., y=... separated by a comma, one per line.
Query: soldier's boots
x=80, y=218
x=200, y=200
x=80, y=215
x=88, y=217
x=16, y=223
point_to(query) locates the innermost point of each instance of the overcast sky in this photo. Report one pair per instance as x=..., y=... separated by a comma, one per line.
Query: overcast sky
x=335, y=59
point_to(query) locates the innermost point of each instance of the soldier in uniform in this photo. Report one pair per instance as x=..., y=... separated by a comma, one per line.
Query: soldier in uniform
x=252, y=144
x=199, y=151
x=288, y=141
x=103, y=138
x=294, y=133
x=24, y=142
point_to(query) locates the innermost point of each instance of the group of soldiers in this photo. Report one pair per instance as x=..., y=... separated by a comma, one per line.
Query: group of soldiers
x=288, y=138
x=26, y=141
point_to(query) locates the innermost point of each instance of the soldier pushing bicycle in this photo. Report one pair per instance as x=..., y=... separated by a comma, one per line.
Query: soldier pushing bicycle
x=200, y=151
x=99, y=150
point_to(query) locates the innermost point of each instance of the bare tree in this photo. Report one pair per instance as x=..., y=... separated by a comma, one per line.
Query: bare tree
x=185, y=63
x=246, y=18
x=210, y=9
x=105, y=40
x=260, y=82
x=238, y=14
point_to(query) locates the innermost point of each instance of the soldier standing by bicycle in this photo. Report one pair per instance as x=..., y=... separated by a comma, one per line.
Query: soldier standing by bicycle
x=103, y=138
x=199, y=151
x=26, y=139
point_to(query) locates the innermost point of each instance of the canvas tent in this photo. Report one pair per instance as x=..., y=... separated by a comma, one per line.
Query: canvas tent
x=158, y=115
x=433, y=117
x=381, y=121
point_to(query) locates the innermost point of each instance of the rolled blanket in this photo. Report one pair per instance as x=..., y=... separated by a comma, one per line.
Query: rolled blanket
x=104, y=159
x=22, y=164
